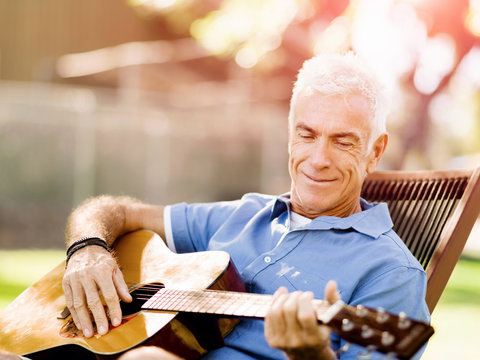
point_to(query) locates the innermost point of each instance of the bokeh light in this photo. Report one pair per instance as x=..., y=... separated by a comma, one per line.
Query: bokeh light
x=248, y=29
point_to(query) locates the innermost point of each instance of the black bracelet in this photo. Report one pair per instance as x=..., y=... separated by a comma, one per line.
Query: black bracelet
x=84, y=240
x=80, y=244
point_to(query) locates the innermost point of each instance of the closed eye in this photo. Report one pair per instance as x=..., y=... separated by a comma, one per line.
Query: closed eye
x=344, y=144
x=304, y=132
x=346, y=141
x=305, y=135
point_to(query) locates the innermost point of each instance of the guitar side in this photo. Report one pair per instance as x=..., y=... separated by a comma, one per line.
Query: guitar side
x=29, y=325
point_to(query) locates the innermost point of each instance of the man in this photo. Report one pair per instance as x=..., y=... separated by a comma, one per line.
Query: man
x=321, y=230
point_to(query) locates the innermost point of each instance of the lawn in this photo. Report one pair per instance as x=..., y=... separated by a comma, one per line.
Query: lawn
x=455, y=317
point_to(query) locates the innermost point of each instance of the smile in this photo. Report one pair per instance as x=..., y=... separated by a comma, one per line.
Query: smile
x=319, y=180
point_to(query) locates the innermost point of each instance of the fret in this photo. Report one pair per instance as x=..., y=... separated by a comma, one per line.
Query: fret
x=202, y=298
x=259, y=306
x=211, y=302
x=213, y=305
x=165, y=300
x=183, y=301
x=190, y=300
x=241, y=309
x=245, y=305
x=226, y=305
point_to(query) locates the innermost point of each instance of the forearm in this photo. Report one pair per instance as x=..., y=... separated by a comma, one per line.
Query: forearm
x=108, y=217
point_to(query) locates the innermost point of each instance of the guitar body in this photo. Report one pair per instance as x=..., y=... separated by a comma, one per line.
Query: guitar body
x=29, y=325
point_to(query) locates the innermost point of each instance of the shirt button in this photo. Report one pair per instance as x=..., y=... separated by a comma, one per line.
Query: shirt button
x=267, y=259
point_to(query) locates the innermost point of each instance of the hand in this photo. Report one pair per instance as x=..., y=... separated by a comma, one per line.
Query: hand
x=92, y=270
x=291, y=324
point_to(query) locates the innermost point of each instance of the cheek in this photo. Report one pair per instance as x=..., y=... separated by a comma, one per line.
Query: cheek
x=357, y=172
x=296, y=154
x=352, y=164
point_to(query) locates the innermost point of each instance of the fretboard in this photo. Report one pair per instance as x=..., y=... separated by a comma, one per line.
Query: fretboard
x=224, y=303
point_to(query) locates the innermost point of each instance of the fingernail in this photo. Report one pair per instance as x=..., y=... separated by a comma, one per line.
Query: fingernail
x=102, y=330
x=116, y=322
x=87, y=333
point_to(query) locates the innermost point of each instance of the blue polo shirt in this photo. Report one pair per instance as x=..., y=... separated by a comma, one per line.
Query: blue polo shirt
x=370, y=263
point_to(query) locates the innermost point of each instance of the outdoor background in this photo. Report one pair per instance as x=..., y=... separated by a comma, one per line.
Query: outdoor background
x=187, y=100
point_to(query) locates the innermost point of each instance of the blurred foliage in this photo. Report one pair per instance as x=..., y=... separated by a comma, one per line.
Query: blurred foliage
x=180, y=79
x=424, y=49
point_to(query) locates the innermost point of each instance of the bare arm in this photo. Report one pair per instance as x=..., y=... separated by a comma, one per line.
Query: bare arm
x=109, y=217
x=93, y=270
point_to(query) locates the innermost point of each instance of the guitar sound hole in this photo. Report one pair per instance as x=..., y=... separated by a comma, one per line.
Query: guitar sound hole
x=140, y=295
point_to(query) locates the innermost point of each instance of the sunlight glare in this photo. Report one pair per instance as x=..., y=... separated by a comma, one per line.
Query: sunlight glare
x=436, y=60
x=389, y=36
x=246, y=58
x=334, y=38
x=109, y=58
x=247, y=28
x=456, y=116
x=154, y=4
x=473, y=17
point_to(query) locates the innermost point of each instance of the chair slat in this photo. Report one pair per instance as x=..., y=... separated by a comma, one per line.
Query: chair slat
x=430, y=210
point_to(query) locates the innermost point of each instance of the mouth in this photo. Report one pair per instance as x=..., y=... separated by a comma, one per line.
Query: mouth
x=319, y=180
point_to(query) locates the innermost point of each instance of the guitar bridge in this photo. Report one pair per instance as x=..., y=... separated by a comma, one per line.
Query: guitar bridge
x=64, y=314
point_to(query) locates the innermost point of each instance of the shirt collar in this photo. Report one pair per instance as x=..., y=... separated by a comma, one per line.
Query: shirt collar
x=373, y=220
x=280, y=204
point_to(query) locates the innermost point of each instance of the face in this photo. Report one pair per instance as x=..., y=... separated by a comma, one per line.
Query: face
x=328, y=153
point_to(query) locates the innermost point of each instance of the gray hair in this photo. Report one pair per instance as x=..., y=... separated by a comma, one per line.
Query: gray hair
x=333, y=74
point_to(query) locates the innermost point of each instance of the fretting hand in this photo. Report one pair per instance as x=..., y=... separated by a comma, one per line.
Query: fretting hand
x=291, y=324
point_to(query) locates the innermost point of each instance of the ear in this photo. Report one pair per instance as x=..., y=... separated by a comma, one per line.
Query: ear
x=376, y=152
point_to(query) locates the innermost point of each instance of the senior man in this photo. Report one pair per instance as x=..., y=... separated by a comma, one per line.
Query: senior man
x=292, y=244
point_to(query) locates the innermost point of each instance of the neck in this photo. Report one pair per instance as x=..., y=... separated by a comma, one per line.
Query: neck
x=343, y=211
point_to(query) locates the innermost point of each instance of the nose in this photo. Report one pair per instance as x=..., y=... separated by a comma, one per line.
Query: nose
x=321, y=155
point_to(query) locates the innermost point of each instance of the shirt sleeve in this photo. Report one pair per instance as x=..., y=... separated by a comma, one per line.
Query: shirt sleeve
x=193, y=225
x=396, y=290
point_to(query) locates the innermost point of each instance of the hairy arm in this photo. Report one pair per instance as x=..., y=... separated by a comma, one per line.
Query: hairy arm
x=92, y=270
x=109, y=217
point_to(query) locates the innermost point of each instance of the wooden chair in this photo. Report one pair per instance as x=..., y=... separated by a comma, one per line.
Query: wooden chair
x=433, y=212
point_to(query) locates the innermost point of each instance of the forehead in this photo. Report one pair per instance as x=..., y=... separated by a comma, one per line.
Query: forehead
x=316, y=108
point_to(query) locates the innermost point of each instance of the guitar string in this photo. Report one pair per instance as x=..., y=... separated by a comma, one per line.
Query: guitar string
x=200, y=300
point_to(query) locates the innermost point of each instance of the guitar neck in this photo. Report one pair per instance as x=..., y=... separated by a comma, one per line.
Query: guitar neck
x=384, y=332
x=221, y=303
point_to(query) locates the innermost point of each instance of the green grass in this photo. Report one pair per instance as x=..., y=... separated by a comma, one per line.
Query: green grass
x=455, y=318
x=21, y=268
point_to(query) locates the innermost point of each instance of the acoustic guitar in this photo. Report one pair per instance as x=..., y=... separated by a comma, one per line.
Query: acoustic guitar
x=184, y=303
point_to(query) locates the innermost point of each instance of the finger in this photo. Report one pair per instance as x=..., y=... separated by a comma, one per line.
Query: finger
x=274, y=319
x=121, y=286
x=290, y=310
x=95, y=305
x=306, y=314
x=275, y=313
x=331, y=292
x=69, y=301
x=280, y=291
x=81, y=309
x=105, y=282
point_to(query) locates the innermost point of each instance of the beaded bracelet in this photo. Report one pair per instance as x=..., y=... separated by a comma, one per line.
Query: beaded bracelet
x=80, y=244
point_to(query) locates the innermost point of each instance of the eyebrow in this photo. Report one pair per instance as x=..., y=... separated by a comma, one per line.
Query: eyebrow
x=302, y=126
x=343, y=134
